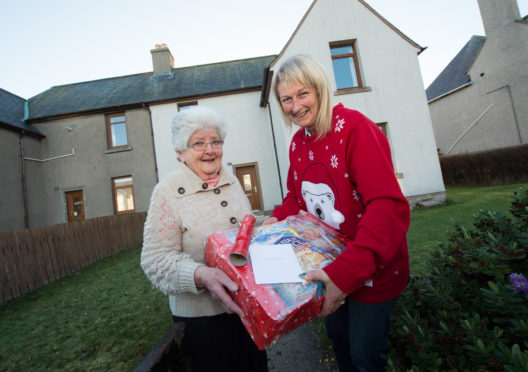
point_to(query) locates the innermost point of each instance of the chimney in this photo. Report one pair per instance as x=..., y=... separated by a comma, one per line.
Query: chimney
x=162, y=60
x=496, y=14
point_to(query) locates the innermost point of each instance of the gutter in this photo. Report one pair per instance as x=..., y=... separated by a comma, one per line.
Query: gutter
x=450, y=92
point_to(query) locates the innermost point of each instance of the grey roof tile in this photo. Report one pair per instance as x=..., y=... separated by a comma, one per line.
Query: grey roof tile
x=455, y=74
x=12, y=113
x=185, y=82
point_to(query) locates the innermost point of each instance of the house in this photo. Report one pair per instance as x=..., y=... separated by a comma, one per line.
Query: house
x=376, y=71
x=480, y=100
x=99, y=147
x=17, y=138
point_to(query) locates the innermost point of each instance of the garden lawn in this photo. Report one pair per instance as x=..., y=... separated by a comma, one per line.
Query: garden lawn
x=429, y=226
x=105, y=317
x=108, y=316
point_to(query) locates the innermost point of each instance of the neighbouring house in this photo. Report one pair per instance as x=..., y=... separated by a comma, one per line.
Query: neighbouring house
x=99, y=147
x=480, y=100
x=16, y=138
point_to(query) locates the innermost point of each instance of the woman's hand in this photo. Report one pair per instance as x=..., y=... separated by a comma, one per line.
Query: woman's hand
x=216, y=281
x=334, y=297
x=270, y=220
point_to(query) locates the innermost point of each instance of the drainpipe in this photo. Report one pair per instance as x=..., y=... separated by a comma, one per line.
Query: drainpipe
x=514, y=112
x=24, y=187
x=275, y=150
x=147, y=107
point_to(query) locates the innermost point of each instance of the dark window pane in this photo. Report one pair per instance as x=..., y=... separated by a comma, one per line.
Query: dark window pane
x=341, y=50
x=345, y=73
x=117, y=119
x=119, y=136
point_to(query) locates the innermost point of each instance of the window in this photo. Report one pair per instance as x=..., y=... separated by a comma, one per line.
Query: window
x=186, y=105
x=383, y=128
x=346, y=64
x=123, y=194
x=116, y=131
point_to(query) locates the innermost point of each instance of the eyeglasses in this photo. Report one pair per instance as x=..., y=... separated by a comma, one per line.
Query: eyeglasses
x=201, y=146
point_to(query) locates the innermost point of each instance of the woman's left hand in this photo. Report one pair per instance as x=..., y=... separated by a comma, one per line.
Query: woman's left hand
x=334, y=297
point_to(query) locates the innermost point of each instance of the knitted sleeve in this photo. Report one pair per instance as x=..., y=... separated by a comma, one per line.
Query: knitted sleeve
x=290, y=204
x=382, y=228
x=162, y=259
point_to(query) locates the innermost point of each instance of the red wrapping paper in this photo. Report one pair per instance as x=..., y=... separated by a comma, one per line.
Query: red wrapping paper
x=273, y=310
x=239, y=252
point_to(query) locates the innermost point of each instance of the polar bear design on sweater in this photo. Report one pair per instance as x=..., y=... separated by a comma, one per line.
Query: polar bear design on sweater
x=320, y=200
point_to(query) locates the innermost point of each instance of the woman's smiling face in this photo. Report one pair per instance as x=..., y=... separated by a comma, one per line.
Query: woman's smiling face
x=300, y=103
x=207, y=163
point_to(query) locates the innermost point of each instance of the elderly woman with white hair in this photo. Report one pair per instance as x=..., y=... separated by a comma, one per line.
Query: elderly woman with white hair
x=197, y=199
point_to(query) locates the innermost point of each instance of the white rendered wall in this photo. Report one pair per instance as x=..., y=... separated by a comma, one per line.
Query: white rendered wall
x=389, y=66
x=248, y=139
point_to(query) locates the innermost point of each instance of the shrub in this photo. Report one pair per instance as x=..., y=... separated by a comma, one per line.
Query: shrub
x=470, y=313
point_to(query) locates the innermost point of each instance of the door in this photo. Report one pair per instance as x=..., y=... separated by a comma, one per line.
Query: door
x=247, y=175
x=75, y=205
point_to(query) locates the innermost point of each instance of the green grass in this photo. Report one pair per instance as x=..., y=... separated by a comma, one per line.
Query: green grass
x=104, y=317
x=429, y=226
x=108, y=316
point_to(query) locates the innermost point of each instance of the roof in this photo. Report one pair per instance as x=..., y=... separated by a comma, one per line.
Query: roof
x=180, y=83
x=455, y=75
x=12, y=113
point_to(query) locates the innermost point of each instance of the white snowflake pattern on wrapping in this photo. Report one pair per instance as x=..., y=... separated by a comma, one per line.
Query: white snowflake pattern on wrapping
x=356, y=196
x=293, y=146
x=341, y=141
x=311, y=155
x=339, y=124
x=326, y=148
x=346, y=175
x=298, y=159
x=334, y=161
x=295, y=175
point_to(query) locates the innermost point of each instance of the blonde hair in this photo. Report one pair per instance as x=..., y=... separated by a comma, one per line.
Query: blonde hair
x=304, y=69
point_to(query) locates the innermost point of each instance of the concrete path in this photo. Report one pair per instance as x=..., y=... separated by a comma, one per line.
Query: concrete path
x=299, y=350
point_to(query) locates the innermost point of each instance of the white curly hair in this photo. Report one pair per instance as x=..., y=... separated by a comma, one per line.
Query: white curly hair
x=188, y=121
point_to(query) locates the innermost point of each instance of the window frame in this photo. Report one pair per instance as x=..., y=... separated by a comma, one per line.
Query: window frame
x=109, y=124
x=383, y=127
x=185, y=105
x=115, y=188
x=354, y=55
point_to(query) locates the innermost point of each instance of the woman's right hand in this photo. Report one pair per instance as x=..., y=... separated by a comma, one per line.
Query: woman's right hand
x=270, y=220
x=216, y=281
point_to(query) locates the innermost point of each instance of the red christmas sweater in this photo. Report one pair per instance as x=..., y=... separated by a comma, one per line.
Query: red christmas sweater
x=347, y=180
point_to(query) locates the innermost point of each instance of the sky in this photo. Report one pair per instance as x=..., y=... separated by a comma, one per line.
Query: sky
x=56, y=42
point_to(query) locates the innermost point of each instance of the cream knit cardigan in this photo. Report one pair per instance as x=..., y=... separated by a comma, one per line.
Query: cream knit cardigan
x=183, y=211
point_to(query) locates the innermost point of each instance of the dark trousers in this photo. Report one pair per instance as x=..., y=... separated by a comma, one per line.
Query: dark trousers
x=221, y=343
x=359, y=335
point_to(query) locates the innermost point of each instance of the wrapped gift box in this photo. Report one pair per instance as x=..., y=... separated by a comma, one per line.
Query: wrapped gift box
x=273, y=310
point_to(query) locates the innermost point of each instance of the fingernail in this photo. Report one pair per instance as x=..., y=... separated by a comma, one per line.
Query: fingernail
x=302, y=275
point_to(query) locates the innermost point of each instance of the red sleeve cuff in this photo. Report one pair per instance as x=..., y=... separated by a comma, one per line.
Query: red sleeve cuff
x=352, y=268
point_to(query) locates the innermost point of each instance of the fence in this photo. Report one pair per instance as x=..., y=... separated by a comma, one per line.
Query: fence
x=35, y=257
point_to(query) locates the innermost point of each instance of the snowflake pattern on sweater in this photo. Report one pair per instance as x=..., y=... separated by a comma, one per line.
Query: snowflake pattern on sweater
x=335, y=178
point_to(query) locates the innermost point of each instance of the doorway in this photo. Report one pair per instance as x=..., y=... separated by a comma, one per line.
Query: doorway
x=247, y=175
x=75, y=205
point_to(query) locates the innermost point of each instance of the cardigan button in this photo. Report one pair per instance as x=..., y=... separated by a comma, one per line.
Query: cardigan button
x=181, y=190
x=217, y=191
x=223, y=203
x=233, y=220
x=205, y=186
